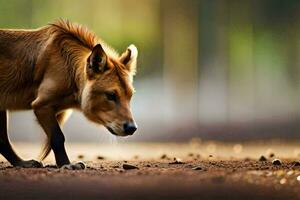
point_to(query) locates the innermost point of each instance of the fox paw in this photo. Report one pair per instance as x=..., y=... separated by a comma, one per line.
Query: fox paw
x=29, y=164
x=74, y=166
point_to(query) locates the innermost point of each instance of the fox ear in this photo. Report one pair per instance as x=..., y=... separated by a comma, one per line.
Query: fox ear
x=129, y=58
x=96, y=62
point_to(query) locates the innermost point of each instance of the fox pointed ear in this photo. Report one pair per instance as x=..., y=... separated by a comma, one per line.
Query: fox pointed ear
x=96, y=62
x=129, y=59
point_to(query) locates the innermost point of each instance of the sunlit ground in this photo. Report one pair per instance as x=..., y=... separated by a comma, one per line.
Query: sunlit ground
x=201, y=170
x=146, y=151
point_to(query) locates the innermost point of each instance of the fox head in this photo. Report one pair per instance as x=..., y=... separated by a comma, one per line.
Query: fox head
x=108, y=90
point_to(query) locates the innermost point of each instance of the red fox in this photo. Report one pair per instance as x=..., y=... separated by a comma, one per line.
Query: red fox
x=57, y=68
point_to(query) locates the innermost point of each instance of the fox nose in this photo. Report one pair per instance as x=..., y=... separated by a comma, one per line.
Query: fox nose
x=129, y=128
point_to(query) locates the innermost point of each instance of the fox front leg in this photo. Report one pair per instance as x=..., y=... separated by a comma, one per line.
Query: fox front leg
x=47, y=119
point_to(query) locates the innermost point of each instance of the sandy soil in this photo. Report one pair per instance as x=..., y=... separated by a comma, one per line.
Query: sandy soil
x=202, y=172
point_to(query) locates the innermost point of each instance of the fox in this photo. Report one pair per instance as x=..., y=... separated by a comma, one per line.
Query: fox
x=57, y=68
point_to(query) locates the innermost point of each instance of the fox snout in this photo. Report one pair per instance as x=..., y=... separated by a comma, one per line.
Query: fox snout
x=127, y=128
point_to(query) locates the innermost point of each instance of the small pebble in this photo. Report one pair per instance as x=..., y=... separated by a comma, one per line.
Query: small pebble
x=197, y=156
x=91, y=168
x=164, y=156
x=177, y=161
x=289, y=173
x=190, y=154
x=128, y=166
x=197, y=168
x=80, y=156
x=283, y=181
x=271, y=155
x=262, y=158
x=100, y=158
x=276, y=162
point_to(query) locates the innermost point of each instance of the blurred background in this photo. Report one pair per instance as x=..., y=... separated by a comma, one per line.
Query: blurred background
x=213, y=69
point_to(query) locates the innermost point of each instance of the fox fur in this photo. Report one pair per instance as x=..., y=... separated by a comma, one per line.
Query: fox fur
x=64, y=66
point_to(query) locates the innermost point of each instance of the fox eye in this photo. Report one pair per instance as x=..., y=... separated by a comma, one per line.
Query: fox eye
x=111, y=96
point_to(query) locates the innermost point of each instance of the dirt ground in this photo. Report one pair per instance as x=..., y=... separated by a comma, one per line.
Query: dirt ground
x=201, y=170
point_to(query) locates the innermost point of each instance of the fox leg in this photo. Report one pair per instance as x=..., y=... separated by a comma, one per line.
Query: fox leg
x=49, y=122
x=6, y=149
x=61, y=118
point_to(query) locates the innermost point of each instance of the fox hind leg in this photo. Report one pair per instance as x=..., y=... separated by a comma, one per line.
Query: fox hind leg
x=6, y=148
